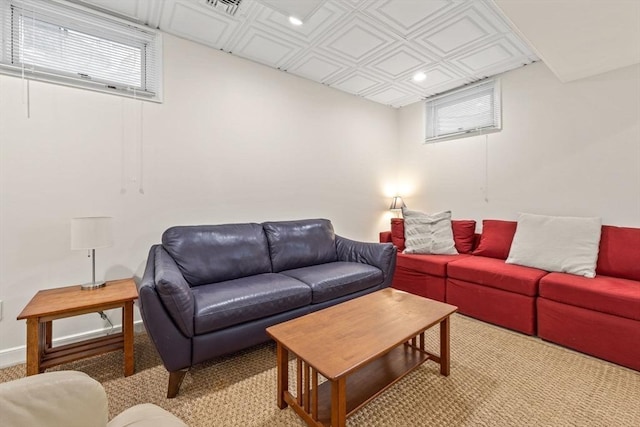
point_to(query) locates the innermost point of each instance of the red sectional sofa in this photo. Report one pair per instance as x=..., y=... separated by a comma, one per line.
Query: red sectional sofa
x=599, y=316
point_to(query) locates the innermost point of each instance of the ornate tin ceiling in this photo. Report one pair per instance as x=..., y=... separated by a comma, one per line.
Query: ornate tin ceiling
x=369, y=48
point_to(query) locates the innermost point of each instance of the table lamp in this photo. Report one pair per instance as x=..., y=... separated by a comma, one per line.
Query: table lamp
x=91, y=233
x=396, y=205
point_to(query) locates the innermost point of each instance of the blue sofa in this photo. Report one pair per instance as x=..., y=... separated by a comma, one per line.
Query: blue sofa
x=211, y=290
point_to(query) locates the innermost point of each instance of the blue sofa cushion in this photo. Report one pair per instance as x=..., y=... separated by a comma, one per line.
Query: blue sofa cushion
x=295, y=244
x=224, y=304
x=215, y=253
x=336, y=279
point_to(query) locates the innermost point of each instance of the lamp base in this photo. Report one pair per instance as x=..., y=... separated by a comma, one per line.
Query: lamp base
x=94, y=285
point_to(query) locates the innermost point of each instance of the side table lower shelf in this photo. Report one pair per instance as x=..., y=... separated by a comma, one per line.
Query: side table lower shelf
x=53, y=356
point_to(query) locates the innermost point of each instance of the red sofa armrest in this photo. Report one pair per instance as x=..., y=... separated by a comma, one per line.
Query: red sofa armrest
x=385, y=237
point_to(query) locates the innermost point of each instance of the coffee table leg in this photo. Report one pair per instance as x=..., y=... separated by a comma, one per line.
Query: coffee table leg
x=283, y=374
x=444, y=347
x=127, y=330
x=339, y=402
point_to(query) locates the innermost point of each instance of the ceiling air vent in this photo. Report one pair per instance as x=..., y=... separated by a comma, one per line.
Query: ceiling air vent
x=230, y=7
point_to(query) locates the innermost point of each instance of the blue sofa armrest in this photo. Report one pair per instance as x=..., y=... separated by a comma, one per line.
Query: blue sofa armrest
x=174, y=291
x=380, y=255
x=172, y=344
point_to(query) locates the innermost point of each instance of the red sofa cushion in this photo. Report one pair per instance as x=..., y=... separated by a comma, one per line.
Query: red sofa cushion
x=496, y=238
x=425, y=285
x=463, y=234
x=619, y=254
x=397, y=233
x=602, y=335
x=435, y=265
x=507, y=309
x=497, y=274
x=620, y=297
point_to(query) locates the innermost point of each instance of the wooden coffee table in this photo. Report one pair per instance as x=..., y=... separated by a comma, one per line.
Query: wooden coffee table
x=362, y=347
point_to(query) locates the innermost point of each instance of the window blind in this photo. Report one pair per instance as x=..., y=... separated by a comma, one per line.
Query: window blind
x=63, y=43
x=464, y=112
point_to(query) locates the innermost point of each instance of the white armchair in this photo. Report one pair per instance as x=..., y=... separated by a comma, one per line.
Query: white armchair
x=70, y=399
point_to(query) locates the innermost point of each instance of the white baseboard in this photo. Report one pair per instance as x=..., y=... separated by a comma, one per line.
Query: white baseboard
x=17, y=355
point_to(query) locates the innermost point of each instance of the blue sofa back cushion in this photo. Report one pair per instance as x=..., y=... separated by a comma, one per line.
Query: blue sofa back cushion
x=295, y=244
x=214, y=253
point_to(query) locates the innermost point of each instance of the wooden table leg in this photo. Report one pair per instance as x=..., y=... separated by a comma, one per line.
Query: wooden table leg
x=33, y=346
x=339, y=402
x=444, y=347
x=48, y=335
x=283, y=374
x=127, y=330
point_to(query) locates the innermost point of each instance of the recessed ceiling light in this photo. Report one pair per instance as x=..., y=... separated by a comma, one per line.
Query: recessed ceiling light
x=295, y=21
x=419, y=76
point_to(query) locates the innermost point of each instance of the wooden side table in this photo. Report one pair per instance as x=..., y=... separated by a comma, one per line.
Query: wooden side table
x=51, y=304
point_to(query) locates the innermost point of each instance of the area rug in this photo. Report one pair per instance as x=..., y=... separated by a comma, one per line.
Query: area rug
x=498, y=378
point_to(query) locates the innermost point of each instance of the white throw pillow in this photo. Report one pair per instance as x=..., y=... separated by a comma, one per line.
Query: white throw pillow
x=555, y=243
x=428, y=233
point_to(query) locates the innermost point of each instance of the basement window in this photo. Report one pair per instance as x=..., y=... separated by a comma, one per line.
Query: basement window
x=67, y=44
x=470, y=111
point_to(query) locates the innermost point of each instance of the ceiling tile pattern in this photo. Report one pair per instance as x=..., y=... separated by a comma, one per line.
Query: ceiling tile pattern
x=369, y=48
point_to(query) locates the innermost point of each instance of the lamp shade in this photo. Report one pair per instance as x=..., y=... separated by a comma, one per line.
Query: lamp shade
x=91, y=232
x=397, y=203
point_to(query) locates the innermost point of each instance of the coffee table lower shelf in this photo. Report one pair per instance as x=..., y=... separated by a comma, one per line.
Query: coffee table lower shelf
x=362, y=385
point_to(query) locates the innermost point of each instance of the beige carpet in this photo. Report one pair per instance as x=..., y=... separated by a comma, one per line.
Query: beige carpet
x=498, y=378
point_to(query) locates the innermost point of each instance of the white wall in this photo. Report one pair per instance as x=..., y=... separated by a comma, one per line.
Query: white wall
x=233, y=141
x=565, y=149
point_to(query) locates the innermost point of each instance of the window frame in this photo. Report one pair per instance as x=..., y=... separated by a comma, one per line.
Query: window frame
x=86, y=22
x=458, y=96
